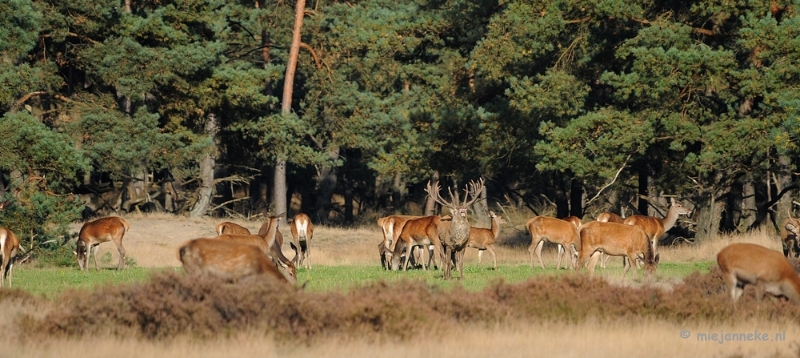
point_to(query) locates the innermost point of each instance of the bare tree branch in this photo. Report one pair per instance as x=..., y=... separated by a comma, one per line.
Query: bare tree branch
x=609, y=184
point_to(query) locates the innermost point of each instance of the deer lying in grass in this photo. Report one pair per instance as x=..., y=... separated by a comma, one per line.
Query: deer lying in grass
x=302, y=232
x=226, y=259
x=750, y=264
x=9, y=247
x=483, y=239
x=269, y=244
x=556, y=231
x=616, y=239
x=94, y=233
x=228, y=227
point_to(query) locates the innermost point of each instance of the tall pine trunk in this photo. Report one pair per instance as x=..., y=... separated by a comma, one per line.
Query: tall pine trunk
x=286, y=108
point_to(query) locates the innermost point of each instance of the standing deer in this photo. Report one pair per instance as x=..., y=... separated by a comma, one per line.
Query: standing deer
x=655, y=227
x=616, y=239
x=454, y=233
x=226, y=259
x=556, y=231
x=609, y=217
x=483, y=239
x=750, y=264
x=94, y=233
x=416, y=232
x=9, y=246
x=392, y=226
x=302, y=231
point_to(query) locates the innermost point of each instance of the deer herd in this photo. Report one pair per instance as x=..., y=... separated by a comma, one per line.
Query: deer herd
x=236, y=253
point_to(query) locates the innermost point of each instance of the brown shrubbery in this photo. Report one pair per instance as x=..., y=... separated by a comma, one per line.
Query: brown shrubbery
x=173, y=305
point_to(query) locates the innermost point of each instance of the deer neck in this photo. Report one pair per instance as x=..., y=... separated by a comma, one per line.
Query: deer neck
x=669, y=221
x=460, y=226
x=495, y=228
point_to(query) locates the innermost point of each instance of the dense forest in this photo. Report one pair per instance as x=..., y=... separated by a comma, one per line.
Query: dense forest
x=345, y=110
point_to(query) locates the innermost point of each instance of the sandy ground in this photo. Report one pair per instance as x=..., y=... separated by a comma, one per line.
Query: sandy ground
x=153, y=240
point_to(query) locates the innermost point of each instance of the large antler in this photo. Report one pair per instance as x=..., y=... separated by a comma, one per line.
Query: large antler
x=473, y=190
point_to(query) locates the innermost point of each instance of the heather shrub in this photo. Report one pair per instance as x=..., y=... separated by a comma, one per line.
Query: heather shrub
x=173, y=305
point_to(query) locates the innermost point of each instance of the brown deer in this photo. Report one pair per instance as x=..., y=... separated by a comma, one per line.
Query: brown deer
x=750, y=264
x=226, y=259
x=228, y=227
x=655, y=227
x=416, y=232
x=556, y=231
x=616, y=239
x=483, y=239
x=9, y=247
x=790, y=232
x=94, y=233
x=392, y=226
x=609, y=217
x=270, y=243
x=302, y=232
x=454, y=233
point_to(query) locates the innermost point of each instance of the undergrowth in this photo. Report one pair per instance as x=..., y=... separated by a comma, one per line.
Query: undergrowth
x=172, y=305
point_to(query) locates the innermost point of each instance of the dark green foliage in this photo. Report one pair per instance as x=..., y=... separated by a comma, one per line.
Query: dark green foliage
x=173, y=305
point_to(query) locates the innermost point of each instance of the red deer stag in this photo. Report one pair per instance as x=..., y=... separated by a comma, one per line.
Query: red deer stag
x=483, y=239
x=302, y=232
x=269, y=244
x=790, y=232
x=226, y=259
x=556, y=231
x=616, y=239
x=454, y=233
x=750, y=264
x=9, y=246
x=228, y=227
x=609, y=217
x=655, y=227
x=94, y=233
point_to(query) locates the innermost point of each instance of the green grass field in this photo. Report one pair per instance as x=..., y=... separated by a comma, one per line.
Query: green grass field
x=52, y=281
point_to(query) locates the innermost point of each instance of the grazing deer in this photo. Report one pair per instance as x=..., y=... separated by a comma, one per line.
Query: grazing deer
x=416, y=232
x=655, y=227
x=228, y=227
x=454, y=233
x=9, y=246
x=226, y=259
x=750, y=264
x=483, y=239
x=609, y=217
x=556, y=231
x=615, y=239
x=790, y=232
x=94, y=233
x=270, y=243
x=302, y=231
x=392, y=226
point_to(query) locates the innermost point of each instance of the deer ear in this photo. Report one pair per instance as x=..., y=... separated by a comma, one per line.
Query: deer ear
x=657, y=258
x=74, y=252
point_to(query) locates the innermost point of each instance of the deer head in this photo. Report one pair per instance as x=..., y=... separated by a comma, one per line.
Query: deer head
x=457, y=208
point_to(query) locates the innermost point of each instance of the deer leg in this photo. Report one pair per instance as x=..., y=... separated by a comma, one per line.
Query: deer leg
x=10, y=272
x=3, y=270
x=593, y=261
x=539, y=246
x=95, y=246
x=494, y=257
x=121, y=250
x=631, y=259
x=408, y=255
x=560, y=253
